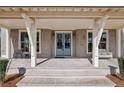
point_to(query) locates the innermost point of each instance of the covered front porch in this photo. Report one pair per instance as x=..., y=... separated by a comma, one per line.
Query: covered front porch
x=62, y=20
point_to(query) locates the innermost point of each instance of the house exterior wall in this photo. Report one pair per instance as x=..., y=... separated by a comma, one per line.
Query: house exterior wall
x=112, y=42
x=122, y=44
x=48, y=43
x=81, y=43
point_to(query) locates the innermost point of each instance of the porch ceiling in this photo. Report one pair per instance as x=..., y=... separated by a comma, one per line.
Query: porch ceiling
x=61, y=18
x=61, y=24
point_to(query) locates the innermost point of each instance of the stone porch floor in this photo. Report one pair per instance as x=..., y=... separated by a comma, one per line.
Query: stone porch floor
x=63, y=62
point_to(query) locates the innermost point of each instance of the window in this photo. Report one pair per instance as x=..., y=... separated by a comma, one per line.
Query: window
x=102, y=44
x=90, y=36
x=24, y=42
x=25, y=45
x=103, y=41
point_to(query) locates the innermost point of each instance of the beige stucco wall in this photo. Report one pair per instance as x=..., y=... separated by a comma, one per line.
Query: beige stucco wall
x=48, y=42
x=81, y=43
x=112, y=42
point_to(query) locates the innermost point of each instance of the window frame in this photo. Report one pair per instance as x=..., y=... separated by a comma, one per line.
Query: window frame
x=107, y=40
x=19, y=42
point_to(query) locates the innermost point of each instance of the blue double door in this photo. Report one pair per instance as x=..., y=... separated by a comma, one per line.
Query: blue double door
x=63, y=44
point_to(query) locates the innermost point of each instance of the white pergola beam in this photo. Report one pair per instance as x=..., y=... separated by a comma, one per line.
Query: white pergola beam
x=31, y=29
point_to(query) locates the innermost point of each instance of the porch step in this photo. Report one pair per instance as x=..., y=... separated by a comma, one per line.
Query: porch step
x=65, y=81
x=62, y=72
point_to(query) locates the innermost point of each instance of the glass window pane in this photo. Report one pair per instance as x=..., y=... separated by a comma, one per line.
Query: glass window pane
x=37, y=47
x=59, y=41
x=90, y=38
x=25, y=47
x=24, y=36
x=24, y=42
x=37, y=36
x=89, y=47
x=103, y=41
x=67, y=40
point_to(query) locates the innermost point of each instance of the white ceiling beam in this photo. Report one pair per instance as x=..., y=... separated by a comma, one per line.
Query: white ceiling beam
x=3, y=26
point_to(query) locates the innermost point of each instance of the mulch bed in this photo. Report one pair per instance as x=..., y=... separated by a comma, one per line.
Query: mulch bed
x=116, y=79
x=12, y=80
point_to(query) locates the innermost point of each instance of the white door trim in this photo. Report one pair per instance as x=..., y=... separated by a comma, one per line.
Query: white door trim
x=71, y=40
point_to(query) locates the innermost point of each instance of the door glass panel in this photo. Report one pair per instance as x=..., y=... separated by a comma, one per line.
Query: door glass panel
x=59, y=41
x=67, y=40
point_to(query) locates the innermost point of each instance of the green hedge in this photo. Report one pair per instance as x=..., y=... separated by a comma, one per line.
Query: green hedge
x=3, y=66
x=121, y=66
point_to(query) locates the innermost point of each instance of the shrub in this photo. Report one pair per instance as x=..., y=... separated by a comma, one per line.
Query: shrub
x=121, y=66
x=3, y=66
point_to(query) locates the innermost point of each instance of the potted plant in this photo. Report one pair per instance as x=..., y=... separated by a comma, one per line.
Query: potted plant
x=121, y=66
x=3, y=67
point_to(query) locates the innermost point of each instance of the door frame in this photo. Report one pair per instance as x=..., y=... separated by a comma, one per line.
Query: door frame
x=56, y=32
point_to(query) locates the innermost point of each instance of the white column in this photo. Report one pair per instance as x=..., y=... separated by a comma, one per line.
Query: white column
x=31, y=29
x=118, y=34
x=33, y=46
x=97, y=33
x=7, y=42
x=95, y=50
